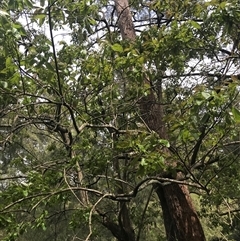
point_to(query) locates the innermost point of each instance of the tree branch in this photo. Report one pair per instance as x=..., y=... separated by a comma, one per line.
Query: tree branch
x=58, y=110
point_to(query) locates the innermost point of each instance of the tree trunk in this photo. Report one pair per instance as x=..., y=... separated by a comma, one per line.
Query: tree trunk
x=180, y=219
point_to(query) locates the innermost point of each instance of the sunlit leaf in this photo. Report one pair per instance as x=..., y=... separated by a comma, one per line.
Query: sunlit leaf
x=195, y=24
x=2, y=12
x=164, y=142
x=117, y=48
x=143, y=162
x=206, y=95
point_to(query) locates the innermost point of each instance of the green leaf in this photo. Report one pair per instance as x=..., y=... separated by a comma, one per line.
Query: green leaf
x=141, y=147
x=164, y=142
x=3, y=20
x=117, y=48
x=49, y=67
x=8, y=62
x=25, y=193
x=206, y=95
x=195, y=24
x=143, y=162
x=199, y=102
x=43, y=226
x=92, y=21
x=13, y=4
x=236, y=114
x=28, y=3
x=223, y=5
x=20, y=29
x=205, y=118
x=3, y=12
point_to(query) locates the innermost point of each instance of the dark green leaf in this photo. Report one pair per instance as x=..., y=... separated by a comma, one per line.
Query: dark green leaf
x=236, y=114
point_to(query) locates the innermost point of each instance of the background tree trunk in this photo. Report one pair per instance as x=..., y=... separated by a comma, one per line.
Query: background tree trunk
x=180, y=218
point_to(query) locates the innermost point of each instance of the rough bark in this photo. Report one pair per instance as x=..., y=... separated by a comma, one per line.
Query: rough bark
x=180, y=218
x=125, y=22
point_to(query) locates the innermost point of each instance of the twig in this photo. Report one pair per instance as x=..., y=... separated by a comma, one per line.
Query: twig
x=74, y=194
x=90, y=215
x=143, y=214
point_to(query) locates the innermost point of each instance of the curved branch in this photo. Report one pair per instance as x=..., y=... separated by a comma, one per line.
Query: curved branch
x=90, y=216
x=119, y=197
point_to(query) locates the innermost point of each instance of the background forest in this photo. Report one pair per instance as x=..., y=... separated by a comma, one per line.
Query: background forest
x=119, y=120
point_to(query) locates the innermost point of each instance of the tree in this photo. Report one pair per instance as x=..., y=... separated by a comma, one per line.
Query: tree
x=140, y=106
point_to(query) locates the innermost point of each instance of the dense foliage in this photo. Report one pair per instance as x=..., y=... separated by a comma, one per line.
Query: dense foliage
x=79, y=159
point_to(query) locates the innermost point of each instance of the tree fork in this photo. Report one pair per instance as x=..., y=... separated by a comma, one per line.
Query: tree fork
x=180, y=218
